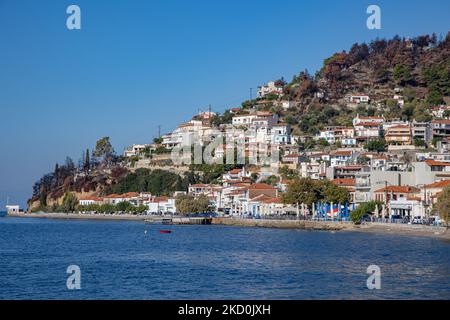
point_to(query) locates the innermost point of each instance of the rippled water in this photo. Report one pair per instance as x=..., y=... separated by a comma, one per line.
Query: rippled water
x=119, y=261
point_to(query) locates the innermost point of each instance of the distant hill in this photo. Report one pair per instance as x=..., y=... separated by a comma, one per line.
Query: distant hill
x=422, y=63
x=416, y=69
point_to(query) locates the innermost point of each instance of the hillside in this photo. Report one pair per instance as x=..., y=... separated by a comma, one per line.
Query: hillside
x=417, y=70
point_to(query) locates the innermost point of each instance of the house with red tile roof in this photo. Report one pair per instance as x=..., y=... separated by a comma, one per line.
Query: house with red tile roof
x=89, y=200
x=431, y=191
x=257, y=189
x=114, y=199
x=395, y=193
x=438, y=166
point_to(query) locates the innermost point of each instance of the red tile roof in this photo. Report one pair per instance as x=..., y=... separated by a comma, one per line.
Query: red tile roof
x=261, y=186
x=349, y=167
x=371, y=118
x=368, y=124
x=130, y=195
x=437, y=163
x=200, y=185
x=439, y=184
x=91, y=198
x=342, y=153
x=112, y=196
x=444, y=121
x=399, y=189
x=344, y=182
x=159, y=199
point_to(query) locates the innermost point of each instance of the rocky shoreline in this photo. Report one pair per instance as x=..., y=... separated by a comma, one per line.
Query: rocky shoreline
x=380, y=228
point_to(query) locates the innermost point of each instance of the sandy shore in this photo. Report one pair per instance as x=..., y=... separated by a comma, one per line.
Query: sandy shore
x=397, y=229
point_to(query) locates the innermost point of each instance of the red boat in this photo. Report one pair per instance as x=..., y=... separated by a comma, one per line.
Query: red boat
x=165, y=231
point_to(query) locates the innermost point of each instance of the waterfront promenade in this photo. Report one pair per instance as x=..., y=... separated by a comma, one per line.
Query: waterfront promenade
x=333, y=226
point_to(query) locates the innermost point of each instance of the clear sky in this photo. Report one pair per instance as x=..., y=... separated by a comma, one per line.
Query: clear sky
x=135, y=65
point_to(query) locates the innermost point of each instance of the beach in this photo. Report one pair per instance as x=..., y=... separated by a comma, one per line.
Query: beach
x=372, y=227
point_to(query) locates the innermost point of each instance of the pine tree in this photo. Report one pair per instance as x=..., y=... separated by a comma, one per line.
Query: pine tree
x=87, y=162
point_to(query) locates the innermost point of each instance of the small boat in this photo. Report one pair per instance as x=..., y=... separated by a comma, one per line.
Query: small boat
x=165, y=231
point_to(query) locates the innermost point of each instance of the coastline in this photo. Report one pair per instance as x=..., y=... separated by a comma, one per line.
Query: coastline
x=376, y=228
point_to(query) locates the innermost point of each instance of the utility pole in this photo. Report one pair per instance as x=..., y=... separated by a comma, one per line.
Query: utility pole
x=159, y=131
x=385, y=192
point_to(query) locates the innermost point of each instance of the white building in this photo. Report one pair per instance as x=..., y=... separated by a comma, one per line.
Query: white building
x=11, y=209
x=406, y=208
x=362, y=119
x=340, y=158
x=281, y=133
x=135, y=150
x=161, y=205
x=85, y=201
x=359, y=98
x=243, y=119
x=270, y=87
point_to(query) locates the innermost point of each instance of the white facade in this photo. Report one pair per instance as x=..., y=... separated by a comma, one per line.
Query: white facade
x=135, y=150
x=269, y=88
x=359, y=99
x=12, y=209
x=162, y=206
x=404, y=208
x=281, y=134
x=243, y=119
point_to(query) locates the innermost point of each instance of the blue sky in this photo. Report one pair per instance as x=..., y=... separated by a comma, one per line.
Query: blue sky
x=135, y=65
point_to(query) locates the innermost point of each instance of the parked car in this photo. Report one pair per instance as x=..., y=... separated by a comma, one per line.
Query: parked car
x=417, y=220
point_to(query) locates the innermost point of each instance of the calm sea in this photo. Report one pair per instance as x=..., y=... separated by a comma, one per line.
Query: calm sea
x=118, y=260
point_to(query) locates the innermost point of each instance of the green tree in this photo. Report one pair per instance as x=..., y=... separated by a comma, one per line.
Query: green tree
x=302, y=190
x=43, y=199
x=107, y=208
x=287, y=173
x=158, y=182
x=323, y=142
x=334, y=193
x=124, y=206
x=402, y=74
x=87, y=162
x=158, y=140
x=437, y=78
x=141, y=208
x=419, y=142
x=446, y=114
x=378, y=145
x=104, y=150
x=202, y=204
x=422, y=114
x=184, y=204
x=363, y=209
x=69, y=203
x=272, y=180
x=443, y=206
x=435, y=97
x=188, y=204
